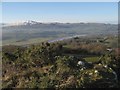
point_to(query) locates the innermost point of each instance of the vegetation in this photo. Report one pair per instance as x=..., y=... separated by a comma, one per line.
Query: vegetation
x=75, y=63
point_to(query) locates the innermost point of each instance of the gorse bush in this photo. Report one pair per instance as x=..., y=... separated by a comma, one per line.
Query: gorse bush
x=47, y=66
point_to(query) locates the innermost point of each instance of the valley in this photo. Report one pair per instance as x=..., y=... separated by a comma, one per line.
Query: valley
x=29, y=32
x=40, y=57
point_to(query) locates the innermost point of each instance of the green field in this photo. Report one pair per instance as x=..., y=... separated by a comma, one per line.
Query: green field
x=24, y=42
x=92, y=59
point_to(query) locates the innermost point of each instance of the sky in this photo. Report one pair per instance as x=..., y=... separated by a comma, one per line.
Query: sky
x=60, y=0
x=101, y=12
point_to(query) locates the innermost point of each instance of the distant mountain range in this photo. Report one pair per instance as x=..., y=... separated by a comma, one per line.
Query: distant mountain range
x=33, y=29
x=29, y=22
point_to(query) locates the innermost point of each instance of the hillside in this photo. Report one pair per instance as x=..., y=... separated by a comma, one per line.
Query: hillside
x=74, y=63
x=48, y=31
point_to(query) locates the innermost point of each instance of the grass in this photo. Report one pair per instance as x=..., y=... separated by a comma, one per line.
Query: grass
x=24, y=42
x=92, y=59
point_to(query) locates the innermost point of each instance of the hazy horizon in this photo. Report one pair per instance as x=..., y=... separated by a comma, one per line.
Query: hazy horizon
x=20, y=22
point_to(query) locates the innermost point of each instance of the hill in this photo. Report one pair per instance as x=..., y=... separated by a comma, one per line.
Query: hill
x=30, y=30
x=76, y=63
